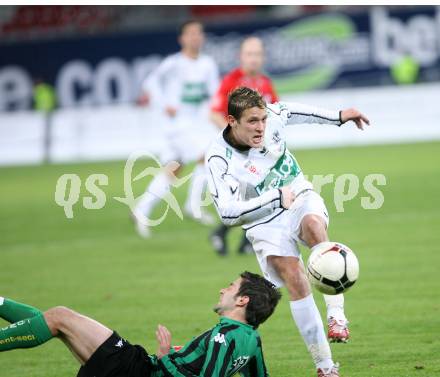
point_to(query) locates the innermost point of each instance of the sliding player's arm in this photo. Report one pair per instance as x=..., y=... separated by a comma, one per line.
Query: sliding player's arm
x=225, y=191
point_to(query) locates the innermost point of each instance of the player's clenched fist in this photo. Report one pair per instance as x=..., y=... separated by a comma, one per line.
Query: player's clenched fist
x=287, y=197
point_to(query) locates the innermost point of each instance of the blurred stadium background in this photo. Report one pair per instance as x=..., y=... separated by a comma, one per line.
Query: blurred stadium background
x=81, y=67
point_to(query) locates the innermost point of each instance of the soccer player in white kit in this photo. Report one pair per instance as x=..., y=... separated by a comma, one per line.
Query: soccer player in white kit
x=257, y=183
x=181, y=87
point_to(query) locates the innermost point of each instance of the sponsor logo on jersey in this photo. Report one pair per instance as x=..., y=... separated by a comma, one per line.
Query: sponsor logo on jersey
x=281, y=174
x=220, y=338
x=251, y=167
x=238, y=363
x=194, y=92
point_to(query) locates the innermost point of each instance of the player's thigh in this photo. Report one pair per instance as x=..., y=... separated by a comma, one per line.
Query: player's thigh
x=82, y=334
x=305, y=206
x=291, y=271
x=313, y=230
x=273, y=240
x=286, y=266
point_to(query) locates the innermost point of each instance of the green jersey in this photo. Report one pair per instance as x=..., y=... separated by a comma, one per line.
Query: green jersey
x=228, y=348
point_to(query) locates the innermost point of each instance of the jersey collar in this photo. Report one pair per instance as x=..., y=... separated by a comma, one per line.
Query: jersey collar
x=225, y=133
x=229, y=320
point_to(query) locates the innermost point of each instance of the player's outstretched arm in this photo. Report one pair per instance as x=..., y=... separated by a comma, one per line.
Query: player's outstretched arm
x=356, y=116
x=298, y=113
x=163, y=337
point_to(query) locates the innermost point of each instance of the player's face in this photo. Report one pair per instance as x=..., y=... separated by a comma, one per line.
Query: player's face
x=249, y=129
x=252, y=56
x=228, y=297
x=192, y=37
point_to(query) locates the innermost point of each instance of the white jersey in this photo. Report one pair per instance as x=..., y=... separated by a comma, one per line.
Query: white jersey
x=245, y=184
x=183, y=83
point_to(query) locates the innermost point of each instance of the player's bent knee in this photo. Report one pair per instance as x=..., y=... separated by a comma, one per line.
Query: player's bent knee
x=312, y=226
x=286, y=267
x=313, y=222
x=291, y=271
x=56, y=318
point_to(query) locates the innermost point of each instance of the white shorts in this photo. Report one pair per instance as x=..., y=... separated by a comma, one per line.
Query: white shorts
x=281, y=235
x=187, y=140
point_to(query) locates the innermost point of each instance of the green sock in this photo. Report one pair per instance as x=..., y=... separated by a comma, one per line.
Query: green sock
x=13, y=311
x=26, y=333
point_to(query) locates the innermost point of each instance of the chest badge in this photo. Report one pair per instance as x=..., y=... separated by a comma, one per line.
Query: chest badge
x=251, y=168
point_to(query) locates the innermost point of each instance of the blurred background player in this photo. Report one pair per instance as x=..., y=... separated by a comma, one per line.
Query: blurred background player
x=249, y=74
x=181, y=87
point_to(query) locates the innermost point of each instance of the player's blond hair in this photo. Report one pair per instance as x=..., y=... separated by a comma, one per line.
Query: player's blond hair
x=244, y=98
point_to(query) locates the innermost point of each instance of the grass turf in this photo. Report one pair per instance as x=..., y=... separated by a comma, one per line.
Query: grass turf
x=97, y=265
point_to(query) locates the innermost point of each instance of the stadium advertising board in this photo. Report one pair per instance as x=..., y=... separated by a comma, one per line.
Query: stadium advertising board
x=326, y=50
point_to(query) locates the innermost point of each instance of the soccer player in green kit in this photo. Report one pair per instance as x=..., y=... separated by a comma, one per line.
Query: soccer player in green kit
x=231, y=346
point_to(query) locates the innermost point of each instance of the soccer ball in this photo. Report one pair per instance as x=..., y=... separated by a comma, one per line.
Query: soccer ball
x=332, y=268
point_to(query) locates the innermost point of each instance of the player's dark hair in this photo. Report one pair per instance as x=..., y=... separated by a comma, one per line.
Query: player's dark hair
x=187, y=23
x=242, y=99
x=263, y=297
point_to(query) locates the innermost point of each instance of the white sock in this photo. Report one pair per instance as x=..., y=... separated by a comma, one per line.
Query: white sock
x=2, y=300
x=197, y=185
x=335, y=307
x=158, y=188
x=309, y=322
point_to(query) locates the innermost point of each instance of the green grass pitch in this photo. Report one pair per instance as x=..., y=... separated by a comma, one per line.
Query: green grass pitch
x=96, y=264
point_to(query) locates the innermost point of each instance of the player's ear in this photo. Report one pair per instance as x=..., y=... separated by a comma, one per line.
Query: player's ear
x=242, y=300
x=231, y=120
